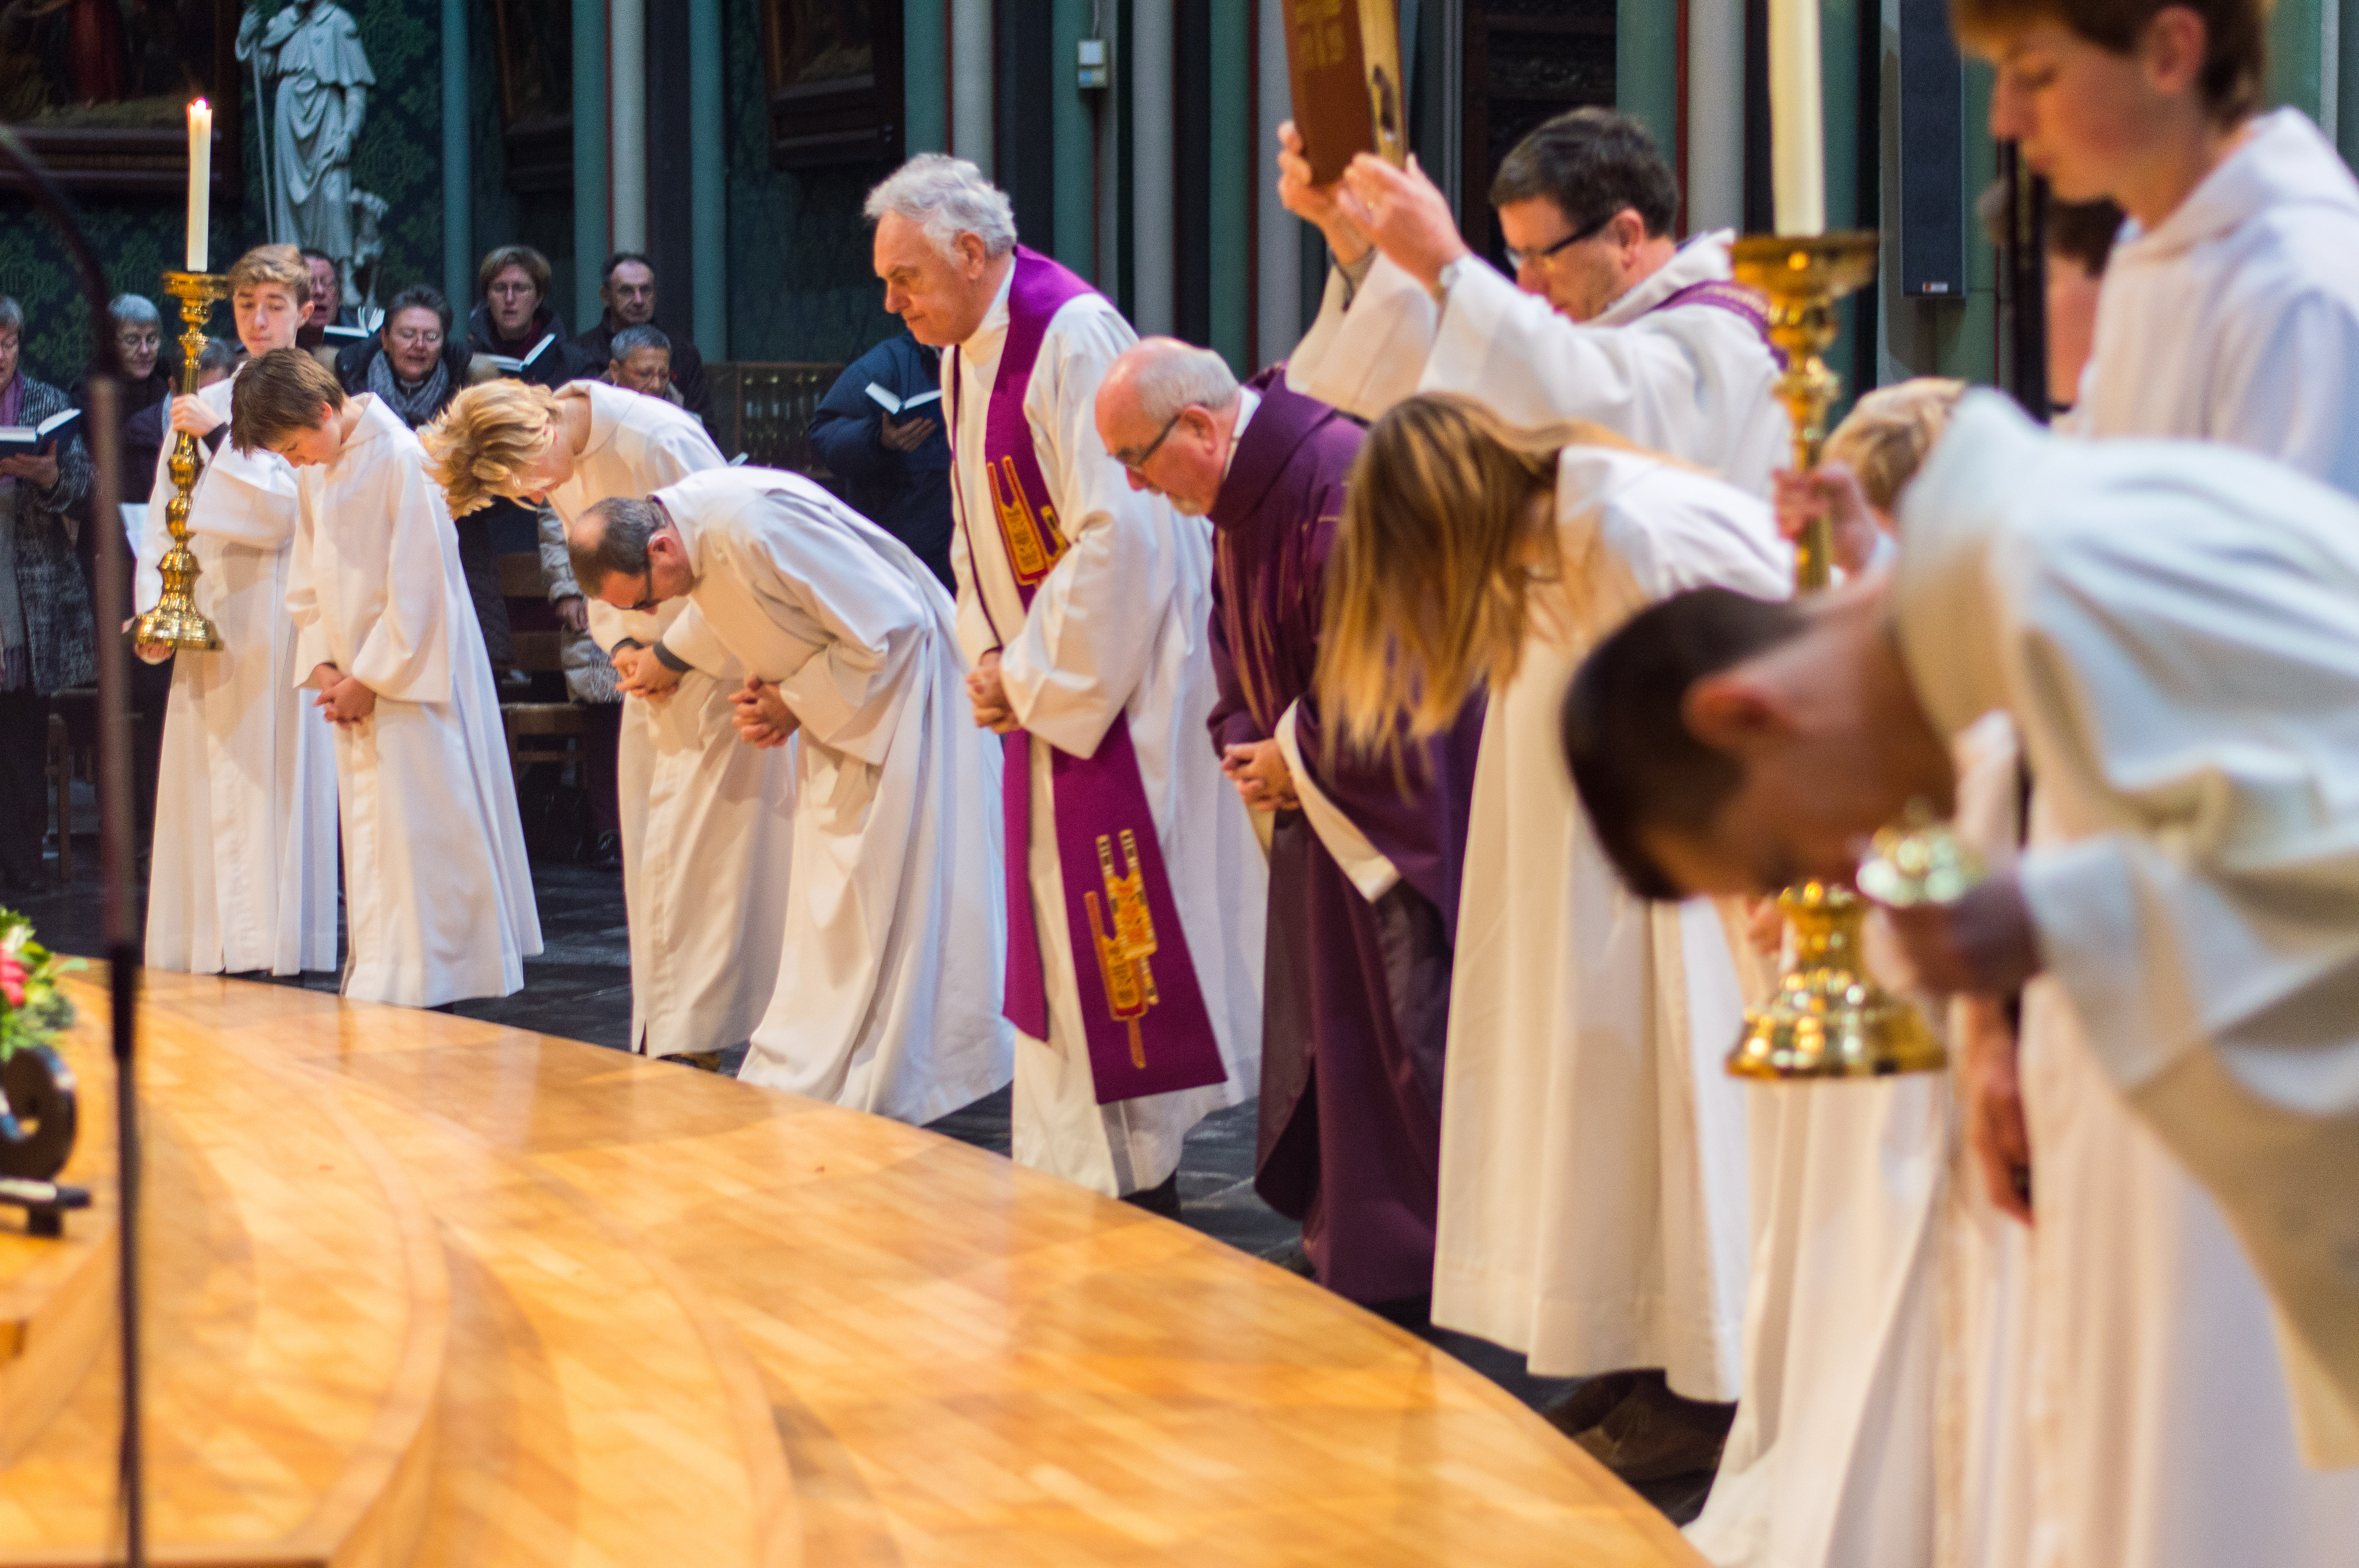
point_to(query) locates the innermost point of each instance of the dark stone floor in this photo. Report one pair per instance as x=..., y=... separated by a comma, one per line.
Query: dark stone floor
x=580, y=988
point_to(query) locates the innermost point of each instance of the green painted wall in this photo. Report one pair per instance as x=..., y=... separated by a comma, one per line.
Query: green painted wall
x=1646, y=66
x=1233, y=179
x=2346, y=100
x=925, y=117
x=2297, y=59
x=1076, y=169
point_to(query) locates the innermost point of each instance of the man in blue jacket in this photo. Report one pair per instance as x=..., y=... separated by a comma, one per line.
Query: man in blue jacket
x=896, y=468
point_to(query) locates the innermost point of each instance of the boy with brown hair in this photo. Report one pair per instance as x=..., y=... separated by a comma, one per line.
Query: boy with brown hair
x=438, y=897
x=244, y=875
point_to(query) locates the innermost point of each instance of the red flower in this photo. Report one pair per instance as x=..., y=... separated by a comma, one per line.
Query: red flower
x=12, y=979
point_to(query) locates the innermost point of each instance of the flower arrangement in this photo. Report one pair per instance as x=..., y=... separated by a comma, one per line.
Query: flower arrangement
x=32, y=1008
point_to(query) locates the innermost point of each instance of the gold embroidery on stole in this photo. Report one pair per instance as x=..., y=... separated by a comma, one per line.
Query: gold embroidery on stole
x=1122, y=955
x=1034, y=546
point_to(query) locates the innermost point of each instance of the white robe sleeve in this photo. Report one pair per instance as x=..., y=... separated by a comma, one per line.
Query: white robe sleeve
x=974, y=633
x=2289, y=393
x=1367, y=348
x=406, y=656
x=312, y=647
x=1084, y=648
x=861, y=613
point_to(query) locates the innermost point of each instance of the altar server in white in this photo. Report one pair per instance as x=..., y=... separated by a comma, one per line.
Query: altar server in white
x=1084, y=605
x=244, y=875
x=2168, y=625
x=1609, y=317
x=438, y=897
x=707, y=822
x=2229, y=313
x=888, y=988
x=1594, y=1208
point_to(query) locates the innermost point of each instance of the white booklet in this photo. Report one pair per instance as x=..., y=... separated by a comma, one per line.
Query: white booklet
x=897, y=406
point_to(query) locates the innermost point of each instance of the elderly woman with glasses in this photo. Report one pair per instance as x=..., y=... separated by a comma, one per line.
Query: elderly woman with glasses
x=45, y=630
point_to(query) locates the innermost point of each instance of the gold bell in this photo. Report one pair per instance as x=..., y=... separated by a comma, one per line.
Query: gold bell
x=1829, y=1019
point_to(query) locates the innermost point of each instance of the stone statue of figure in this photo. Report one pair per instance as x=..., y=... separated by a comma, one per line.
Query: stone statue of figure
x=313, y=50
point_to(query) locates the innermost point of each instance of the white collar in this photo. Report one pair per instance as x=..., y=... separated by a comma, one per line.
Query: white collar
x=1702, y=258
x=1250, y=401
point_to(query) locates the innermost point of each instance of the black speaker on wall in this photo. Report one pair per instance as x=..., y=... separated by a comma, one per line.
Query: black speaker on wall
x=1932, y=82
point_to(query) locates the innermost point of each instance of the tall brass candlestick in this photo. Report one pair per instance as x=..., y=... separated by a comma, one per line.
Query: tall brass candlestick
x=176, y=621
x=1829, y=1018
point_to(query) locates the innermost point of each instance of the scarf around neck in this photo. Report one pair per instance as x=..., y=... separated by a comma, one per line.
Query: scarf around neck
x=416, y=406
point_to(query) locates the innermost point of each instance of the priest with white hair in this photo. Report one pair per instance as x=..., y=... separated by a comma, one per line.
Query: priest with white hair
x=1136, y=887
x=887, y=997
x=1609, y=317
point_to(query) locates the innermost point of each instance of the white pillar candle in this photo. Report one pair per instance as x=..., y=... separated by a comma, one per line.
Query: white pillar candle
x=201, y=180
x=1798, y=155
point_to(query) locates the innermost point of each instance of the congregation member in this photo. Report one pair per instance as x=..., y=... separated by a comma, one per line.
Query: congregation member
x=1609, y=317
x=1593, y=1205
x=412, y=364
x=704, y=822
x=629, y=292
x=888, y=989
x=1136, y=887
x=2229, y=313
x=895, y=467
x=328, y=307
x=45, y=620
x=1364, y=872
x=2166, y=626
x=642, y=362
x=242, y=878
x=438, y=897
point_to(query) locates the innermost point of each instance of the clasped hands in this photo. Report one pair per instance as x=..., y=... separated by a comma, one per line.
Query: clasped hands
x=639, y=672
x=759, y=711
x=342, y=698
x=988, y=693
x=1258, y=769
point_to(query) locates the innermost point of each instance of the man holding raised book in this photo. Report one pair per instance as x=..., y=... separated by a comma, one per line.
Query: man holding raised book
x=1608, y=319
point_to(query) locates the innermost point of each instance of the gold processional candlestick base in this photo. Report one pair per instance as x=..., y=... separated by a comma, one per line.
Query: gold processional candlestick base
x=1828, y=1018
x=176, y=621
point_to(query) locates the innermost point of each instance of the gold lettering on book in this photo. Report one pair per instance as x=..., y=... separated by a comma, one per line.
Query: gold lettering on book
x=1319, y=41
x=1124, y=952
x=1034, y=544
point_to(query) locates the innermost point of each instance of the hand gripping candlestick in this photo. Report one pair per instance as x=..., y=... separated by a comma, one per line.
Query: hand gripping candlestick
x=176, y=621
x=1828, y=1018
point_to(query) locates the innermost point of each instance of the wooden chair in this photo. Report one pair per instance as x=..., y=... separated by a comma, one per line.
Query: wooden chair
x=61, y=774
x=537, y=731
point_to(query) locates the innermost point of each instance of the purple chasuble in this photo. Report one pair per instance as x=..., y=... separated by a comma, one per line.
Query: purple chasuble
x=1142, y=1012
x=1356, y=997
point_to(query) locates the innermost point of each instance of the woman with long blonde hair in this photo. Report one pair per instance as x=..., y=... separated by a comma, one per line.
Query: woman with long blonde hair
x=1594, y=1209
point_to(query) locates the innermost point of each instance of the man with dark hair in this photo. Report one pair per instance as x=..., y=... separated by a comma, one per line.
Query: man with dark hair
x=896, y=466
x=2167, y=627
x=629, y=292
x=1609, y=317
x=328, y=307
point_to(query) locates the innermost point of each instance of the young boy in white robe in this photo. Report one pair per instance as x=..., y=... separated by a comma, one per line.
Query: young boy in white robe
x=2229, y=312
x=706, y=823
x=243, y=874
x=888, y=982
x=1594, y=1204
x=1609, y=317
x=437, y=898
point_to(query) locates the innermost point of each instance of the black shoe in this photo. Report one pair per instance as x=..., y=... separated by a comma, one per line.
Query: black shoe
x=1589, y=1405
x=1163, y=1198
x=1656, y=1434
x=604, y=852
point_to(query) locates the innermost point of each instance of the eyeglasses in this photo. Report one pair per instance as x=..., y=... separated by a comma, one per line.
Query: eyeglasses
x=1518, y=260
x=1139, y=462
x=412, y=338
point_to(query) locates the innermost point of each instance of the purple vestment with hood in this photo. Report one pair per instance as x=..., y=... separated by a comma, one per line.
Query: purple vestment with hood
x=1357, y=992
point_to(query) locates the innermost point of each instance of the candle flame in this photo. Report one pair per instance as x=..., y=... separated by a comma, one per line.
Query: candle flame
x=200, y=105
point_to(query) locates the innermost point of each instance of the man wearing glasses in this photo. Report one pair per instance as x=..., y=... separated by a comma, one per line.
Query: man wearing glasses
x=1609, y=317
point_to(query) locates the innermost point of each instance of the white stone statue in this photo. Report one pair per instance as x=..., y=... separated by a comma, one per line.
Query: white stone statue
x=312, y=50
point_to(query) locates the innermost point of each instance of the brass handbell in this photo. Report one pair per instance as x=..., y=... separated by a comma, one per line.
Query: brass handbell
x=1829, y=1018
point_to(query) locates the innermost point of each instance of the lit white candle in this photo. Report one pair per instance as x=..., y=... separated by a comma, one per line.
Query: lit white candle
x=1797, y=141
x=201, y=180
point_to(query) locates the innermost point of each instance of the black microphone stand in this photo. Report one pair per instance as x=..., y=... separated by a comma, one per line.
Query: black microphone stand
x=114, y=808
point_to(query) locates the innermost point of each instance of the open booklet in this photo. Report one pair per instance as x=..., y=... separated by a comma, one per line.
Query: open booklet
x=897, y=406
x=29, y=440
x=509, y=365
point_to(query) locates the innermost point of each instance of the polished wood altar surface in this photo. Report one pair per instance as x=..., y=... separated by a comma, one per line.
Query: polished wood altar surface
x=439, y=1291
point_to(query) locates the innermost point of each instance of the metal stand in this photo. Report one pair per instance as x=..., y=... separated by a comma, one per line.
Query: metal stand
x=175, y=620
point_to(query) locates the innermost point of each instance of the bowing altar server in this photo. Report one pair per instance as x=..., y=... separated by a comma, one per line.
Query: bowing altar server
x=242, y=878
x=438, y=896
x=887, y=998
x=1366, y=849
x=1594, y=1209
x=2167, y=625
x=1136, y=886
x=706, y=823
x=1608, y=319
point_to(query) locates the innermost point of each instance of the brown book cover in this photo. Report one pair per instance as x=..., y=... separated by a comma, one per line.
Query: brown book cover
x=1342, y=57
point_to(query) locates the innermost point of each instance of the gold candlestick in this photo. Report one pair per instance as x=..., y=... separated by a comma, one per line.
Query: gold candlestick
x=175, y=620
x=1828, y=1018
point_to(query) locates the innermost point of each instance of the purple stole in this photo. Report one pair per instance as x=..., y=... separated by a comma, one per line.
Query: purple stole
x=1142, y=1013
x=1722, y=293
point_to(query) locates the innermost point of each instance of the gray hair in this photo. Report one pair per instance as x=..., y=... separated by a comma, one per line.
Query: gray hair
x=946, y=196
x=125, y=309
x=1175, y=375
x=219, y=354
x=12, y=315
x=631, y=340
x=625, y=524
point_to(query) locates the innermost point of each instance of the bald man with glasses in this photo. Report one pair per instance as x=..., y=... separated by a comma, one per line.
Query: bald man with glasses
x=1608, y=318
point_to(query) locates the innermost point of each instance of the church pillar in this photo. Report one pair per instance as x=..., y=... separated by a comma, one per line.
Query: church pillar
x=971, y=81
x=590, y=220
x=627, y=120
x=458, y=171
x=1154, y=245
x=709, y=189
x=1715, y=123
x=1281, y=234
